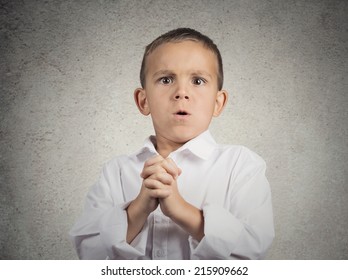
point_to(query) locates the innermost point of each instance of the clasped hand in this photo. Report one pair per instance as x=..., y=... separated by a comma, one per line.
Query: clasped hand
x=159, y=186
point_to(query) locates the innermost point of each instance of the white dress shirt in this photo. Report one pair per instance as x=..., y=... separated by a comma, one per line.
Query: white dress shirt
x=227, y=182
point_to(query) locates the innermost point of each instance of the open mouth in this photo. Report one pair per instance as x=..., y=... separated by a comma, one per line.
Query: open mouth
x=182, y=113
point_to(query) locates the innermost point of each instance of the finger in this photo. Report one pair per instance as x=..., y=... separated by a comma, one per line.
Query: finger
x=160, y=193
x=153, y=160
x=153, y=184
x=164, y=177
x=156, y=189
x=169, y=165
x=149, y=163
x=150, y=170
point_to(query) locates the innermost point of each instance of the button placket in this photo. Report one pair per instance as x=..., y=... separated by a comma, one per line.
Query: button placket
x=160, y=236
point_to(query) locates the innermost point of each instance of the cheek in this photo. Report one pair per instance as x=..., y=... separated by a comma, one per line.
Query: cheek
x=158, y=110
x=207, y=104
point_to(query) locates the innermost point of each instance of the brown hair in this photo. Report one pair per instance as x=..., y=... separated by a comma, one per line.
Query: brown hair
x=179, y=35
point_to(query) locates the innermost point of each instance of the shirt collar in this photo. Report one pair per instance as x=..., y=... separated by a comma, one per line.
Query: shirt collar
x=202, y=146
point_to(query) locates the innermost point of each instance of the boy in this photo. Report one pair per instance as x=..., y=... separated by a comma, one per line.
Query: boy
x=181, y=196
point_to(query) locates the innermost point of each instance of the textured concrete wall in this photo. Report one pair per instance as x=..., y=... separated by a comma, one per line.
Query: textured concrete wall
x=68, y=71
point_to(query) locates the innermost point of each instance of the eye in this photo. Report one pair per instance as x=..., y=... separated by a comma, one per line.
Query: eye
x=198, y=81
x=166, y=80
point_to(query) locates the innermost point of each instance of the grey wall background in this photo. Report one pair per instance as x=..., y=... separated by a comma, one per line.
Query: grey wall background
x=68, y=71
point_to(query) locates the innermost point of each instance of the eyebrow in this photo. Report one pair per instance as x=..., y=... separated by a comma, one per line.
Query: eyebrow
x=171, y=73
x=202, y=73
x=163, y=72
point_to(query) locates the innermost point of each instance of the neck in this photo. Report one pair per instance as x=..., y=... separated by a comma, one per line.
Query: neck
x=165, y=146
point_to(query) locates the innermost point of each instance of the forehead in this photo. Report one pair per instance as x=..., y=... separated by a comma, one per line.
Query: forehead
x=180, y=56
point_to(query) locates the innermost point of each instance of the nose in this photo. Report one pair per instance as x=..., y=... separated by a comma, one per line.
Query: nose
x=178, y=96
x=181, y=93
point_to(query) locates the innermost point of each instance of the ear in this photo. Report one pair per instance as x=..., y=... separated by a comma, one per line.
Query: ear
x=220, y=102
x=141, y=101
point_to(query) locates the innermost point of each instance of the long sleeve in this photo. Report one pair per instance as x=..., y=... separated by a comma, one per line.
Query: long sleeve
x=243, y=227
x=101, y=230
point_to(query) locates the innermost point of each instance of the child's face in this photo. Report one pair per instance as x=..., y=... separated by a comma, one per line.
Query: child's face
x=181, y=90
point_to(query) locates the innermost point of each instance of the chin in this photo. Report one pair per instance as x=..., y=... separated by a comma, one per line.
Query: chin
x=184, y=135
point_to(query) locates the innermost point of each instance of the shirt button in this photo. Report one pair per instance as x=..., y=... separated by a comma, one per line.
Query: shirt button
x=160, y=253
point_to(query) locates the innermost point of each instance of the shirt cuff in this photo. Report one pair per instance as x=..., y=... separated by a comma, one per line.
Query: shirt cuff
x=113, y=233
x=221, y=232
